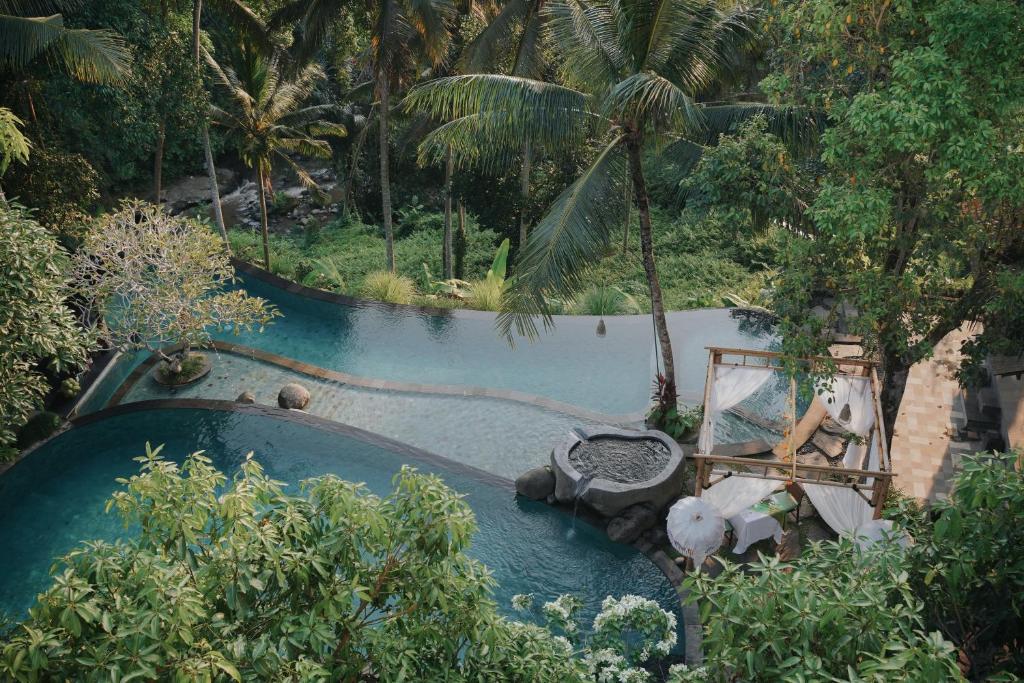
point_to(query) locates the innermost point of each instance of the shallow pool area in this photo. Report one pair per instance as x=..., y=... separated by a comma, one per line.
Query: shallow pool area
x=498, y=436
x=54, y=499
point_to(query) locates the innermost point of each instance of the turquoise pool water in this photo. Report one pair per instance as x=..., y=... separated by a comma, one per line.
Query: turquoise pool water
x=501, y=437
x=610, y=374
x=54, y=499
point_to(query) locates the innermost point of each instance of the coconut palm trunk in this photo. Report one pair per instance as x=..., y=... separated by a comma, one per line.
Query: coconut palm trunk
x=446, y=249
x=636, y=171
x=524, y=193
x=211, y=170
x=385, y=175
x=261, y=188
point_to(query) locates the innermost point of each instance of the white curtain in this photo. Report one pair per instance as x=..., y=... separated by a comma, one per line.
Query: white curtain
x=729, y=386
x=842, y=509
x=734, y=495
x=854, y=392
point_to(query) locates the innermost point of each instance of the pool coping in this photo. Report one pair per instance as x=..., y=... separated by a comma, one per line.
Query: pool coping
x=456, y=390
x=692, y=630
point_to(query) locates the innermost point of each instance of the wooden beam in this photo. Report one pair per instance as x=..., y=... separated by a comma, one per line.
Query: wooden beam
x=725, y=351
x=783, y=465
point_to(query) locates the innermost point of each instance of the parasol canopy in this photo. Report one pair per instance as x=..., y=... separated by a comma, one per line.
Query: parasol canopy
x=695, y=528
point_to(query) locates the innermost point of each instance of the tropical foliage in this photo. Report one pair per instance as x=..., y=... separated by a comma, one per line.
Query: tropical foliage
x=40, y=339
x=33, y=29
x=916, y=219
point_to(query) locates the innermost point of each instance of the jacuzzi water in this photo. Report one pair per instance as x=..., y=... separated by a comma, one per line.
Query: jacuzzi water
x=54, y=499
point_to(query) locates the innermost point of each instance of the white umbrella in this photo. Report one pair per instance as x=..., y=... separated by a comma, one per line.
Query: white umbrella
x=695, y=528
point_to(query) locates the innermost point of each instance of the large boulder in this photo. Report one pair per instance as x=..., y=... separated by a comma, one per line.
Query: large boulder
x=536, y=484
x=632, y=522
x=293, y=396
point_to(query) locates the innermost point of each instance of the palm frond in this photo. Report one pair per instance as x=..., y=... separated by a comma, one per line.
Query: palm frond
x=243, y=20
x=486, y=49
x=574, y=234
x=547, y=114
x=586, y=37
x=650, y=97
x=93, y=56
x=799, y=127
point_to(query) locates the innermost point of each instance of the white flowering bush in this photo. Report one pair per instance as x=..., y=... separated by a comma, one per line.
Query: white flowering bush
x=626, y=634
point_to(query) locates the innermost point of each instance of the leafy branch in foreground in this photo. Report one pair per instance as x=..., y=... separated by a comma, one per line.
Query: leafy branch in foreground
x=234, y=579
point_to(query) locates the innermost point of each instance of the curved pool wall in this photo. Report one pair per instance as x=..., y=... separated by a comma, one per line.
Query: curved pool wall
x=530, y=547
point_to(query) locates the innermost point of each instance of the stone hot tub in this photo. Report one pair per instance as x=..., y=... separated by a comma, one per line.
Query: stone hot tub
x=611, y=469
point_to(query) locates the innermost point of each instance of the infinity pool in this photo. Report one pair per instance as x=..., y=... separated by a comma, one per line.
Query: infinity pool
x=54, y=499
x=610, y=374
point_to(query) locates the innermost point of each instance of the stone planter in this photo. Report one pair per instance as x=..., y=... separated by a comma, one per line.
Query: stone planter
x=604, y=489
x=160, y=378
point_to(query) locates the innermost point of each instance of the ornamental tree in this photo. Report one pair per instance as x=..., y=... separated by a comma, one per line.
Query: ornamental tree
x=238, y=580
x=159, y=280
x=38, y=332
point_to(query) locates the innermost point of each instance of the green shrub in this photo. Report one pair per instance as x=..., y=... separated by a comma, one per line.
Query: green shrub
x=39, y=426
x=390, y=287
x=606, y=300
x=485, y=295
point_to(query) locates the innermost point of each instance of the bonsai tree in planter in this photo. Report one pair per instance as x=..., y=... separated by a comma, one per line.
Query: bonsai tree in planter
x=158, y=282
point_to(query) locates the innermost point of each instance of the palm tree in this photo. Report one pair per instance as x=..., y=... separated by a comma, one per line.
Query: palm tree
x=267, y=118
x=402, y=32
x=634, y=70
x=30, y=29
x=517, y=32
x=244, y=19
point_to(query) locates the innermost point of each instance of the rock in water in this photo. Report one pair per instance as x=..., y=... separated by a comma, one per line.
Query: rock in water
x=293, y=396
x=536, y=484
x=633, y=521
x=246, y=397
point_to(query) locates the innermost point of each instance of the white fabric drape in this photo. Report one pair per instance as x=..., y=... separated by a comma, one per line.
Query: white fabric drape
x=842, y=509
x=854, y=392
x=734, y=495
x=729, y=386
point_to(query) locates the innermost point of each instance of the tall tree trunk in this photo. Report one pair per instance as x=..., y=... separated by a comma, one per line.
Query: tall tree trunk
x=204, y=132
x=524, y=194
x=385, y=179
x=895, y=371
x=647, y=249
x=627, y=200
x=261, y=188
x=446, y=249
x=158, y=161
x=460, y=244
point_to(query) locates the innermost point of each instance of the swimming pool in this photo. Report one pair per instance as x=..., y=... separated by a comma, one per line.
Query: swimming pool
x=610, y=374
x=54, y=499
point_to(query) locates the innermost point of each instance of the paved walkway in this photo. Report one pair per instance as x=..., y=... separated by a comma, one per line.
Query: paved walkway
x=921, y=453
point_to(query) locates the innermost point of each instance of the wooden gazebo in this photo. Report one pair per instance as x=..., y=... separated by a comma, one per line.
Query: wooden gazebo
x=781, y=463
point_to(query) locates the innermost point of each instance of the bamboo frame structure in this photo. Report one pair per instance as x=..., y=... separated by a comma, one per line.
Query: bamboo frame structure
x=871, y=485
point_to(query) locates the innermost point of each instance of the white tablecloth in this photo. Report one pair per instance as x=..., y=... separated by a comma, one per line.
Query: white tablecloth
x=750, y=527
